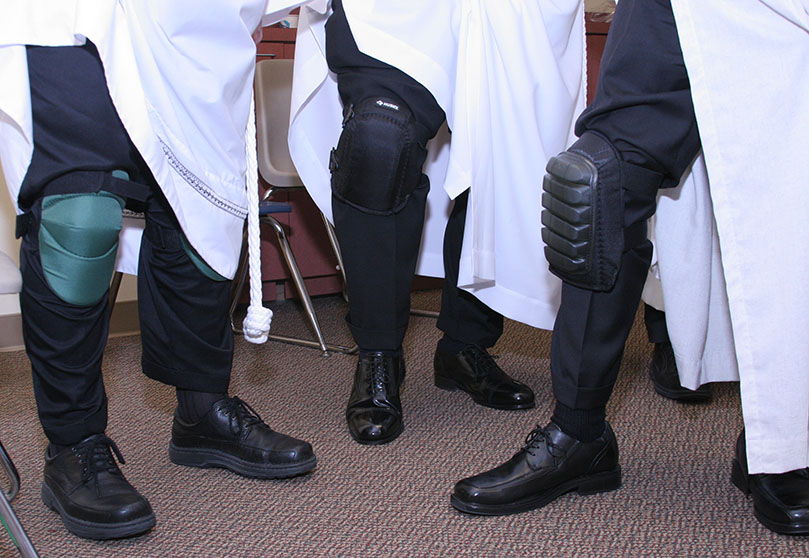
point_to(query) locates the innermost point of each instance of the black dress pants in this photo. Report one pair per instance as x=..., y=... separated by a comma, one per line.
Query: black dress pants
x=187, y=342
x=643, y=107
x=380, y=251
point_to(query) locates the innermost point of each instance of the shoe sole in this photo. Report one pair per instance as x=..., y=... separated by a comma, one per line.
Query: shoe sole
x=741, y=481
x=590, y=484
x=448, y=384
x=92, y=530
x=683, y=398
x=210, y=458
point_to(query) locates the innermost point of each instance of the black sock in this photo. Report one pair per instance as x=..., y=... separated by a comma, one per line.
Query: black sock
x=193, y=405
x=366, y=352
x=451, y=346
x=585, y=425
x=53, y=449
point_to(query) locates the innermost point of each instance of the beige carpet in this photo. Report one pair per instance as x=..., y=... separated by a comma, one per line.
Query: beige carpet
x=393, y=500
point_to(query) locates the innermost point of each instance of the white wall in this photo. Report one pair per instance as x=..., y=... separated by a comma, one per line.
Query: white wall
x=9, y=304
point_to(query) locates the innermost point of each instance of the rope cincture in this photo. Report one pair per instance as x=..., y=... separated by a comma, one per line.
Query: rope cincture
x=256, y=326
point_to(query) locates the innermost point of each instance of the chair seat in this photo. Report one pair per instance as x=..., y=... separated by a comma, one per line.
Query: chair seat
x=10, y=280
x=270, y=207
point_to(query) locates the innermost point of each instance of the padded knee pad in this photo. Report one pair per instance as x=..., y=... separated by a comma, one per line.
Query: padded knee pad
x=583, y=212
x=78, y=242
x=379, y=158
x=201, y=264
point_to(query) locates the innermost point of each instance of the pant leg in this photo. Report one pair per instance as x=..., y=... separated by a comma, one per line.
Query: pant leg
x=184, y=315
x=76, y=132
x=463, y=317
x=655, y=322
x=65, y=344
x=643, y=107
x=379, y=251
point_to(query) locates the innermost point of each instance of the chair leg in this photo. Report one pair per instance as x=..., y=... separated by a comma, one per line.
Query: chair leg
x=12, y=524
x=238, y=283
x=300, y=286
x=115, y=284
x=335, y=246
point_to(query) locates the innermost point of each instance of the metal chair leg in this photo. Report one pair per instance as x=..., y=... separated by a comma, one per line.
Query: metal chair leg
x=335, y=246
x=12, y=524
x=238, y=283
x=300, y=286
x=115, y=285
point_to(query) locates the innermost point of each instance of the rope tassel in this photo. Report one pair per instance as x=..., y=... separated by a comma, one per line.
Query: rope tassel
x=256, y=324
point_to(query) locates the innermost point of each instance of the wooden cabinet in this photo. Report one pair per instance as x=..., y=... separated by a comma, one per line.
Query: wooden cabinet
x=277, y=42
x=596, y=39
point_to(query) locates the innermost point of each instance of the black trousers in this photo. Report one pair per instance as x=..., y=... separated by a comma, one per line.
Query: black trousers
x=643, y=107
x=187, y=342
x=380, y=251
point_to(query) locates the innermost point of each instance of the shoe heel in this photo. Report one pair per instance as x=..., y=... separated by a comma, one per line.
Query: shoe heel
x=445, y=383
x=739, y=478
x=600, y=482
x=47, y=496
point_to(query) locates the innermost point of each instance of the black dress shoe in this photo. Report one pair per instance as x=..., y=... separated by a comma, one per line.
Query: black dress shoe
x=374, y=412
x=666, y=380
x=550, y=464
x=780, y=501
x=232, y=436
x=474, y=371
x=84, y=485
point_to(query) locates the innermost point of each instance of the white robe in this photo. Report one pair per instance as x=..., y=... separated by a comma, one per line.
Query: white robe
x=510, y=77
x=180, y=76
x=747, y=63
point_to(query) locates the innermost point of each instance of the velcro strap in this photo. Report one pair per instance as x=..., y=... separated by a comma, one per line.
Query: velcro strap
x=23, y=224
x=634, y=235
x=125, y=188
x=165, y=238
x=638, y=179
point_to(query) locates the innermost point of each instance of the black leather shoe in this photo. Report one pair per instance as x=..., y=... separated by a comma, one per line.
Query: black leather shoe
x=666, y=380
x=374, y=412
x=84, y=485
x=550, y=464
x=780, y=501
x=474, y=371
x=232, y=436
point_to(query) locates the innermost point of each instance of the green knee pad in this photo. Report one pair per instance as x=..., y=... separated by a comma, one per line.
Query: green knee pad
x=200, y=264
x=78, y=242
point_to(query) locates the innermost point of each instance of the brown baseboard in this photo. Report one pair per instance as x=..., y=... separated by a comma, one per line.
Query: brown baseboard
x=124, y=322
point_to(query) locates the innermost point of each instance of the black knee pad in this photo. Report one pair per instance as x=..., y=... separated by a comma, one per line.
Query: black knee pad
x=379, y=158
x=583, y=212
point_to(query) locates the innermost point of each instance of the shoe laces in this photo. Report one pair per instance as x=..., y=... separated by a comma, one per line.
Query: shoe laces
x=483, y=362
x=538, y=438
x=380, y=373
x=95, y=457
x=241, y=415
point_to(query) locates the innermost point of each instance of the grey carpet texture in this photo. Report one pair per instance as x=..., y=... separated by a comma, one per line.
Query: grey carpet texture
x=393, y=500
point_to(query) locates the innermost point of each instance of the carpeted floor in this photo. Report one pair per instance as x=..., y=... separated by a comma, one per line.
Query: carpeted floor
x=393, y=500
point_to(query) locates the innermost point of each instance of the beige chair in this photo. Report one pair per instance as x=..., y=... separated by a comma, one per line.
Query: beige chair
x=10, y=283
x=273, y=86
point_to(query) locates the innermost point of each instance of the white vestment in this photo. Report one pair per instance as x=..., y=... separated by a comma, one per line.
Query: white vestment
x=180, y=76
x=510, y=78
x=747, y=63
